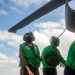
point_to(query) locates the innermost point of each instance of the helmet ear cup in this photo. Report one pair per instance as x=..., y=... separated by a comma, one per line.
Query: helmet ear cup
x=25, y=37
x=33, y=39
x=52, y=40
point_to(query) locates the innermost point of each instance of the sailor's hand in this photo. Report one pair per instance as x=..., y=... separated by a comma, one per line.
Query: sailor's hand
x=30, y=72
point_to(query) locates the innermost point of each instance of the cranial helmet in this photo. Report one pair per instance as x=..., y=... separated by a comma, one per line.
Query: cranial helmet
x=54, y=40
x=28, y=35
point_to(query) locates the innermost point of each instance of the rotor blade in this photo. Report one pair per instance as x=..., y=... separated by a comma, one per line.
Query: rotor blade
x=53, y=4
x=69, y=17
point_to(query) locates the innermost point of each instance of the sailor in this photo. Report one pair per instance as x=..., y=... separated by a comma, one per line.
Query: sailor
x=29, y=56
x=70, y=62
x=51, y=57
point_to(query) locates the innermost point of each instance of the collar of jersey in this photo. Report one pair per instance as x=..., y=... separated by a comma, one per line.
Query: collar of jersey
x=53, y=46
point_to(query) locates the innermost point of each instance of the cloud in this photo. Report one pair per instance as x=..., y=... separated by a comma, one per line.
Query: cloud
x=51, y=25
x=17, y=6
x=2, y=46
x=8, y=65
x=6, y=36
x=16, y=10
x=3, y=12
x=11, y=39
x=41, y=40
x=60, y=70
x=8, y=61
x=26, y=3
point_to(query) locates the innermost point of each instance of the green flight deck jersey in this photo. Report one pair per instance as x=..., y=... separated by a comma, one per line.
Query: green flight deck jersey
x=71, y=56
x=46, y=51
x=30, y=55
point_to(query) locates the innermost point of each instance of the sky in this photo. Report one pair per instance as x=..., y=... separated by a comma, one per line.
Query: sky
x=51, y=24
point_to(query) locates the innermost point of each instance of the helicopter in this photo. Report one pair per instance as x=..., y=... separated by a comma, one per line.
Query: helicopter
x=50, y=6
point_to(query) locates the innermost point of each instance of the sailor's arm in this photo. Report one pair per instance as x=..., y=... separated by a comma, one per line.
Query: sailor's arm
x=22, y=57
x=45, y=52
x=62, y=60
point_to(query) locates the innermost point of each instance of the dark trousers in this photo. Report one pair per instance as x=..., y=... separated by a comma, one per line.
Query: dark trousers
x=69, y=71
x=49, y=71
x=23, y=71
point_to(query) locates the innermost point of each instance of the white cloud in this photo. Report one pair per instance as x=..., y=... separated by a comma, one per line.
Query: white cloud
x=11, y=39
x=12, y=43
x=51, y=25
x=16, y=10
x=60, y=70
x=3, y=12
x=8, y=65
x=6, y=36
x=26, y=3
x=8, y=61
x=41, y=39
x=2, y=46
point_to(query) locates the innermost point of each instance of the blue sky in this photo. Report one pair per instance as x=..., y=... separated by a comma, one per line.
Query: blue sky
x=53, y=23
